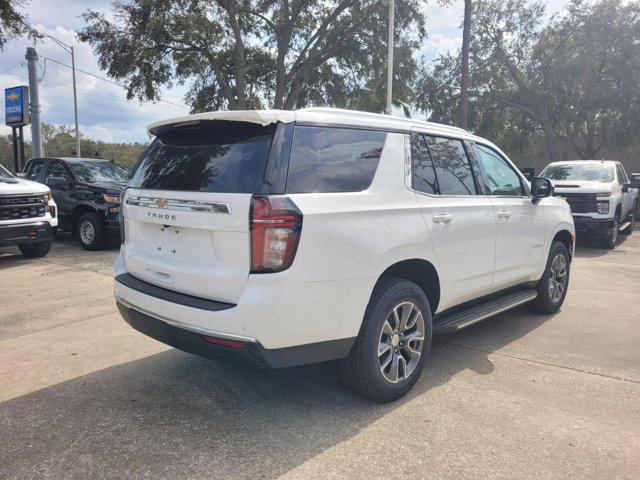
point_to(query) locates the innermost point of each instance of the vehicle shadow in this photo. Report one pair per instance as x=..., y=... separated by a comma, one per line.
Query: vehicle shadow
x=173, y=414
x=588, y=248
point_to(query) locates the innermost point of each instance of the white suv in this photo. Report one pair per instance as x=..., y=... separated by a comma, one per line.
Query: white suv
x=293, y=237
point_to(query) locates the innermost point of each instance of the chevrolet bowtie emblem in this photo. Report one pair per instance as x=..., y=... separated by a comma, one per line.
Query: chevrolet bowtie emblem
x=12, y=97
x=161, y=203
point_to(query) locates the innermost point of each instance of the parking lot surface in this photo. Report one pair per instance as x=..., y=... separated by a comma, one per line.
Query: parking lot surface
x=519, y=396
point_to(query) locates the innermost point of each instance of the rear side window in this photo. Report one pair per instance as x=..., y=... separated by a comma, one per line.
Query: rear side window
x=215, y=156
x=333, y=159
x=452, y=166
x=423, y=175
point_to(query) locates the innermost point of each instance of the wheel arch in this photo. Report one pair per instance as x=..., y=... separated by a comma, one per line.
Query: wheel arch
x=78, y=211
x=419, y=271
x=565, y=237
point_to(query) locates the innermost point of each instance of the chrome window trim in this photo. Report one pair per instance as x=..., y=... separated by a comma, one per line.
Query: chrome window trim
x=179, y=205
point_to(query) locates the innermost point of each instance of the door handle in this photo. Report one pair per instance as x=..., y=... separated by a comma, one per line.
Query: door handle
x=504, y=215
x=444, y=218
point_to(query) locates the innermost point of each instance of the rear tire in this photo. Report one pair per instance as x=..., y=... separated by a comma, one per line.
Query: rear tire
x=629, y=229
x=90, y=232
x=35, y=250
x=552, y=287
x=612, y=238
x=398, y=310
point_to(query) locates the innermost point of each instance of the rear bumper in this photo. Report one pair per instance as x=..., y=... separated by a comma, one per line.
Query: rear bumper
x=593, y=227
x=233, y=349
x=25, y=233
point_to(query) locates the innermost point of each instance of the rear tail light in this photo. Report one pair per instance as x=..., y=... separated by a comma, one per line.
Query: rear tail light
x=275, y=225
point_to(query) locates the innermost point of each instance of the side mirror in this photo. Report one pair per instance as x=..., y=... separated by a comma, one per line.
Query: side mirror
x=626, y=187
x=529, y=173
x=541, y=188
x=57, y=181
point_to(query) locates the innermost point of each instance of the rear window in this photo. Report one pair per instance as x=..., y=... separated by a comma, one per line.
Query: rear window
x=225, y=157
x=333, y=159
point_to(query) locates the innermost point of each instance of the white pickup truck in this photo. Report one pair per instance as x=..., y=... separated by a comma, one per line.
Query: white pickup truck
x=603, y=202
x=28, y=215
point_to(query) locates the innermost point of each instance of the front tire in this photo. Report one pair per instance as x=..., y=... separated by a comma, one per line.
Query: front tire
x=393, y=344
x=552, y=287
x=35, y=250
x=90, y=232
x=629, y=229
x=612, y=238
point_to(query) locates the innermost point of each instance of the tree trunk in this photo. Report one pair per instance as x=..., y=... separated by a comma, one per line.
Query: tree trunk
x=464, y=74
x=549, y=136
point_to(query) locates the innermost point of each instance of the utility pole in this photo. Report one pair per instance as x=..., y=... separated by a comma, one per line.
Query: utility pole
x=390, y=59
x=34, y=102
x=69, y=49
x=75, y=101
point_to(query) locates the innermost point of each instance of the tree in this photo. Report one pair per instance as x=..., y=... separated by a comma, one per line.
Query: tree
x=570, y=82
x=13, y=23
x=250, y=53
x=464, y=74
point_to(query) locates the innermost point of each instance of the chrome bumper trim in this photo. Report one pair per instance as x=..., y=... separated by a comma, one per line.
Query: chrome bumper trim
x=191, y=328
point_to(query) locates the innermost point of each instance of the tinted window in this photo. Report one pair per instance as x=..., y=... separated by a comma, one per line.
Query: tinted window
x=423, y=177
x=34, y=170
x=209, y=157
x=589, y=172
x=57, y=169
x=107, y=172
x=501, y=179
x=333, y=159
x=453, y=169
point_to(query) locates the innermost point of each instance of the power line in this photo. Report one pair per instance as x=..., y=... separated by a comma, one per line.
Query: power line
x=108, y=81
x=9, y=69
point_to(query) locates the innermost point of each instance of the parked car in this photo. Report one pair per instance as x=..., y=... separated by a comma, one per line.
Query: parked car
x=288, y=238
x=87, y=192
x=602, y=200
x=27, y=215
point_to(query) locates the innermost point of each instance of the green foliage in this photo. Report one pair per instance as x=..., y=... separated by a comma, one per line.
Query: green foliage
x=257, y=53
x=571, y=82
x=13, y=23
x=59, y=141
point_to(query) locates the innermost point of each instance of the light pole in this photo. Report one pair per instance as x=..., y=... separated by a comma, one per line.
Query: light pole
x=390, y=58
x=69, y=49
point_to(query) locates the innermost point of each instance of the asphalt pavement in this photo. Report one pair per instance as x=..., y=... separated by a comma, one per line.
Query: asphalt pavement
x=82, y=395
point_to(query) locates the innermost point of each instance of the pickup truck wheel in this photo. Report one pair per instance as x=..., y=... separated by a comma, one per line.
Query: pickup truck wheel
x=612, y=238
x=393, y=344
x=632, y=219
x=90, y=232
x=552, y=287
x=35, y=250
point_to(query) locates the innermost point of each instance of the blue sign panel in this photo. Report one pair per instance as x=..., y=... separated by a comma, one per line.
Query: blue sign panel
x=16, y=106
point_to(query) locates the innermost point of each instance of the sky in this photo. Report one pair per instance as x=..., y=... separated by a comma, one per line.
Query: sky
x=103, y=109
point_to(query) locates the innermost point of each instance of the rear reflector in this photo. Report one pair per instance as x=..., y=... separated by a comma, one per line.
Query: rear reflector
x=221, y=341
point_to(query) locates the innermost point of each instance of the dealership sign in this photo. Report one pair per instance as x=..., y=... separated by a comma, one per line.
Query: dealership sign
x=16, y=106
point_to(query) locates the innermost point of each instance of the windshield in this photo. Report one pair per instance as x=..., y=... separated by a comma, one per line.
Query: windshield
x=107, y=172
x=4, y=174
x=592, y=172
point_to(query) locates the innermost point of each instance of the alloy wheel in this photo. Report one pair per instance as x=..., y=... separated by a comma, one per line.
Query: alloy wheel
x=401, y=342
x=558, y=278
x=87, y=232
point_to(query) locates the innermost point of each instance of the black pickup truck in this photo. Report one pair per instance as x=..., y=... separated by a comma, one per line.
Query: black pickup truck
x=87, y=193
